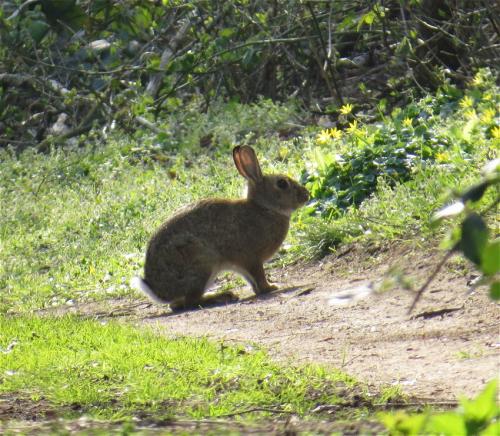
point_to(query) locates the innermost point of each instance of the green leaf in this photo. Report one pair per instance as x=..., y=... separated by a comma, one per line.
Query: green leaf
x=368, y=18
x=262, y=17
x=347, y=22
x=490, y=261
x=404, y=48
x=492, y=430
x=495, y=291
x=227, y=32
x=142, y=18
x=474, y=238
x=401, y=423
x=38, y=29
x=452, y=239
x=66, y=11
x=475, y=193
x=446, y=424
x=483, y=408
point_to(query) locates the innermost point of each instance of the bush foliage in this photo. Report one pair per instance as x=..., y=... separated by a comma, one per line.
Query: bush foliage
x=479, y=416
x=347, y=164
x=127, y=63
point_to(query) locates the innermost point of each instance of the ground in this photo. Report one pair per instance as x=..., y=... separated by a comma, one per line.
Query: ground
x=447, y=347
x=325, y=313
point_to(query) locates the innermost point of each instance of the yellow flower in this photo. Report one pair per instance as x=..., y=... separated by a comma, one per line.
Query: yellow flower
x=335, y=133
x=407, y=122
x=478, y=80
x=283, y=152
x=442, y=157
x=323, y=137
x=495, y=132
x=353, y=127
x=487, y=96
x=488, y=115
x=470, y=113
x=466, y=102
x=346, y=109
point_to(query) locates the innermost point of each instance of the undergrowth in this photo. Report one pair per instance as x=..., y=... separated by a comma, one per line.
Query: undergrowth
x=448, y=129
x=382, y=181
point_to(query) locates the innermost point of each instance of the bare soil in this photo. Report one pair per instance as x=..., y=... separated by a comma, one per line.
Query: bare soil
x=449, y=346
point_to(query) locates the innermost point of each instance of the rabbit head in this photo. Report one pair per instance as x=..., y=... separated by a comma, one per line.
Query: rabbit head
x=276, y=192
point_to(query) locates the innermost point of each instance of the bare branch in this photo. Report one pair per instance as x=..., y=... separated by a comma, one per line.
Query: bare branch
x=155, y=81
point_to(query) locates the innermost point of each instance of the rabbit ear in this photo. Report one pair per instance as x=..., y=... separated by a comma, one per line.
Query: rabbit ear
x=246, y=162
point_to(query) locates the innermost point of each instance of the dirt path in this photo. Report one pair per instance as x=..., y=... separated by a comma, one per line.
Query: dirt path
x=449, y=346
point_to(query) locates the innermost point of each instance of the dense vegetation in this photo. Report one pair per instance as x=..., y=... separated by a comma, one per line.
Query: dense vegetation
x=130, y=63
x=115, y=114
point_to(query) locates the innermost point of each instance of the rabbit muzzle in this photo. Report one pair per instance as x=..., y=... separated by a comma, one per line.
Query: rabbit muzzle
x=303, y=196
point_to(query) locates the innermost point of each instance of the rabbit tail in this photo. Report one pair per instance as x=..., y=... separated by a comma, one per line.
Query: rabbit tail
x=140, y=284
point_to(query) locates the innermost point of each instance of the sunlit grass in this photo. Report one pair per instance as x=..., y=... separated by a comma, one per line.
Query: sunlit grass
x=109, y=370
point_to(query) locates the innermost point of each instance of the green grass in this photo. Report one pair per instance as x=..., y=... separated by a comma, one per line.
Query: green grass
x=75, y=222
x=109, y=370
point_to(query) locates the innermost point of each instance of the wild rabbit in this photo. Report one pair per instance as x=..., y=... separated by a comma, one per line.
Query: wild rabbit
x=192, y=247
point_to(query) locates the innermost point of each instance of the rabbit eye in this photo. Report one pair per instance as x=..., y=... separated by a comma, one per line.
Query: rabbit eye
x=282, y=184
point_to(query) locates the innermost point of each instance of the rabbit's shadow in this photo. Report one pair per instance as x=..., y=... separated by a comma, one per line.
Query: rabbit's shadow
x=286, y=292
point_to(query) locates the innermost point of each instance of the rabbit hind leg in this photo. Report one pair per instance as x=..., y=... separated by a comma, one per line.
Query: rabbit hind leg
x=194, y=296
x=193, y=288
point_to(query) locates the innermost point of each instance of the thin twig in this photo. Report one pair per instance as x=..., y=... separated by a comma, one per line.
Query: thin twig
x=403, y=404
x=491, y=207
x=267, y=41
x=325, y=51
x=148, y=124
x=430, y=279
x=491, y=17
x=21, y=8
x=16, y=141
x=44, y=145
x=256, y=409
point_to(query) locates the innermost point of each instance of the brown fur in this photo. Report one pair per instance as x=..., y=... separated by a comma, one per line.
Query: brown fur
x=188, y=250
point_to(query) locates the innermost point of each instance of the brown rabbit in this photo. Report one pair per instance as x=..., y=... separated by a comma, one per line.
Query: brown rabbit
x=192, y=247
